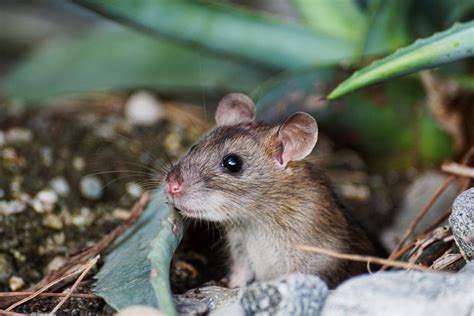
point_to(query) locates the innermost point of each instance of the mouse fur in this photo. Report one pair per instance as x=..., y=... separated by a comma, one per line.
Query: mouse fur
x=277, y=200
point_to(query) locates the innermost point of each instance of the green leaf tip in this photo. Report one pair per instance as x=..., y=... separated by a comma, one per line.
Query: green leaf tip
x=444, y=47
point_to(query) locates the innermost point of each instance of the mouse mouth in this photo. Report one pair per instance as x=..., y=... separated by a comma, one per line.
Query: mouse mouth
x=184, y=211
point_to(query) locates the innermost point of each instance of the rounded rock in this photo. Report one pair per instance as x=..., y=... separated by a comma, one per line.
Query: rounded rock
x=296, y=294
x=139, y=310
x=16, y=283
x=462, y=222
x=142, y=108
x=91, y=187
x=60, y=186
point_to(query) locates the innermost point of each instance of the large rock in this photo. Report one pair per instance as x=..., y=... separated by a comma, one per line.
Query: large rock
x=415, y=198
x=462, y=222
x=468, y=269
x=403, y=293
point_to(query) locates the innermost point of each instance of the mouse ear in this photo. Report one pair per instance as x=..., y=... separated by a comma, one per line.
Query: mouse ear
x=235, y=108
x=296, y=138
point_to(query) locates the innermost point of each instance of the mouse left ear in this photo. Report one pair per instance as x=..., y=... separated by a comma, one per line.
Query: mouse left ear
x=296, y=138
x=235, y=108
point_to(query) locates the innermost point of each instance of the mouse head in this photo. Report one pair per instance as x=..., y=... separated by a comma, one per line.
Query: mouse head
x=240, y=165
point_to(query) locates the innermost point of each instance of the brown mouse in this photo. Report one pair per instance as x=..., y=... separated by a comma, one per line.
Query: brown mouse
x=254, y=179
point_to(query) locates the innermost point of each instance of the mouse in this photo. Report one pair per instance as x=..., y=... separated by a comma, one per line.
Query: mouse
x=256, y=181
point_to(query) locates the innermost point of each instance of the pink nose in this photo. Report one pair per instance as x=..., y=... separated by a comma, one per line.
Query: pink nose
x=174, y=183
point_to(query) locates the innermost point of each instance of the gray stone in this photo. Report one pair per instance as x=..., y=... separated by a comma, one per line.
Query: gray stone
x=468, y=268
x=60, y=186
x=416, y=196
x=296, y=294
x=462, y=222
x=91, y=187
x=205, y=299
x=403, y=293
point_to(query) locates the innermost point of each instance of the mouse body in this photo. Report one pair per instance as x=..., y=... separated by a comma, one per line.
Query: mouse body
x=253, y=178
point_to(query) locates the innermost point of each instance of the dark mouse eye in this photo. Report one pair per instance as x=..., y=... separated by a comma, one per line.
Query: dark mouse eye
x=232, y=162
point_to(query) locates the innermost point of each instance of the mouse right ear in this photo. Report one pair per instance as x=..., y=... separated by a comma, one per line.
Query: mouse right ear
x=235, y=108
x=296, y=138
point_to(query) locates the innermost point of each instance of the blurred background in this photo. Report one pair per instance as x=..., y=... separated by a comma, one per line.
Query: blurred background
x=97, y=98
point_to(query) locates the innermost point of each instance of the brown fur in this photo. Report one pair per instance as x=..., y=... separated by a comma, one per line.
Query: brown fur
x=268, y=209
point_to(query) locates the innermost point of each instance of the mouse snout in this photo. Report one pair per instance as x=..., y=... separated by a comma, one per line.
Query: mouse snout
x=174, y=183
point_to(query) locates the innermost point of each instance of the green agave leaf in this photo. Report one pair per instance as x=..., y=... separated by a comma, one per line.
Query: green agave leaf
x=339, y=18
x=386, y=27
x=136, y=271
x=444, y=47
x=121, y=59
x=395, y=135
x=227, y=30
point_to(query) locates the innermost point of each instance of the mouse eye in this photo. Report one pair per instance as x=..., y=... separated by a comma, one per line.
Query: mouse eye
x=232, y=162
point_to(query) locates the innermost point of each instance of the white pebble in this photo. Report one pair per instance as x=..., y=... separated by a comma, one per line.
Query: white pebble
x=11, y=207
x=16, y=283
x=78, y=163
x=47, y=156
x=2, y=139
x=134, y=189
x=55, y=264
x=142, y=108
x=121, y=214
x=18, y=135
x=53, y=221
x=91, y=187
x=44, y=201
x=84, y=218
x=60, y=186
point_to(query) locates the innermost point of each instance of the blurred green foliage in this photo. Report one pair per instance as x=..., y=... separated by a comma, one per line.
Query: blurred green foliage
x=215, y=47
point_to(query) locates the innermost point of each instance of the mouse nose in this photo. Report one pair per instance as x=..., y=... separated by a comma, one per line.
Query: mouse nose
x=174, y=183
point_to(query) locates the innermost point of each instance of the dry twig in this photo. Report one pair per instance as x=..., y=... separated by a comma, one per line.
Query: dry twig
x=44, y=288
x=359, y=258
x=456, y=169
x=426, y=208
x=87, y=268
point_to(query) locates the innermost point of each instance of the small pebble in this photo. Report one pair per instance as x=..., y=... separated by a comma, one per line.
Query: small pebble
x=134, y=189
x=18, y=255
x=9, y=155
x=44, y=201
x=2, y=139
x=47, y=156
x=53, y=221
x=142, y=108
x=55, y=264
x=16, y=283
x=11, y=207
x=121, y=214
x=91, y=187
x=60, y=186
x=18, y=135
x=79, y=163
x=84, y=218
